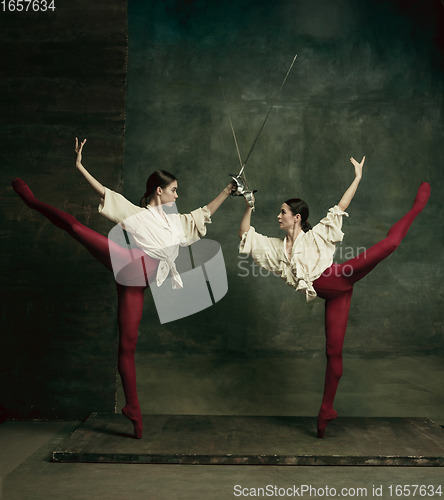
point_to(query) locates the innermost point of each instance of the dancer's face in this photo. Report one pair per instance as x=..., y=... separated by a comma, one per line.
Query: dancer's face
x=286, y=218
x=169, y=194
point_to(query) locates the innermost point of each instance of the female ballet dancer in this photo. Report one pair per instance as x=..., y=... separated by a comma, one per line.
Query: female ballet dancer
x=159, y=235
x=304, y=259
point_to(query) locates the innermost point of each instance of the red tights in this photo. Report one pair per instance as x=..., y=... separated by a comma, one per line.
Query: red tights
x=130, y=298
x=335, y=285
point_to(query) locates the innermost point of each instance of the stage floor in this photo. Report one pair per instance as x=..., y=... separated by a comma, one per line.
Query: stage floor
x=214, y=439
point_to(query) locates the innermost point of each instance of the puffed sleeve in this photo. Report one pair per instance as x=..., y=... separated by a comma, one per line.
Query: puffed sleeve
x=266, y=252
x=329, y=228
x=116, y=207
x=194, y=223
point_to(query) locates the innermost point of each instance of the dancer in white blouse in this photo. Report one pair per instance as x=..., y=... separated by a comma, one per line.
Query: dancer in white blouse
x=304, y=259
x=157, y=235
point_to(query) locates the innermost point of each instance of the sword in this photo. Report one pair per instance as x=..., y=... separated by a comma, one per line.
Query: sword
x=240, y=179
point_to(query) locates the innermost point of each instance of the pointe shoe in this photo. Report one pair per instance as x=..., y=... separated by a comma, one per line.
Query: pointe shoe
x=324, y=418
x=22, y=189
x=136, y=418
x=422, y=196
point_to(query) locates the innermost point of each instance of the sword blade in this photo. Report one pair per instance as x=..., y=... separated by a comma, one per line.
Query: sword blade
x=272, y=106
x=232, y=128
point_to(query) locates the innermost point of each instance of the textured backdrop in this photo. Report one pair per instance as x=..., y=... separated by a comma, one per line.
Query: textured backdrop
x=63, y=74
x=368, y=80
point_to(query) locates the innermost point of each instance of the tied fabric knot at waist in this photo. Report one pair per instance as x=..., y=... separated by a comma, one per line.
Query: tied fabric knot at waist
x=165, y=267
x=296, y=277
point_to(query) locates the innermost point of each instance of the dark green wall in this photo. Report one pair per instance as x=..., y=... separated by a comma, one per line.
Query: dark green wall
x=368, y=81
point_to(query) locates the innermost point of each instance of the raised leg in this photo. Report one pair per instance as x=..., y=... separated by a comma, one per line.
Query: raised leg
x=336, y=318
x=94, y=242
x=129, y=314
x=361, y=265
x=129, y=262
x=341, y=277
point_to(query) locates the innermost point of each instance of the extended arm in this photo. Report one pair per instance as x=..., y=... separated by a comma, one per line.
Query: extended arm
x=245, y=222
x=348, y=195
x=94, y=183
x=217, y=202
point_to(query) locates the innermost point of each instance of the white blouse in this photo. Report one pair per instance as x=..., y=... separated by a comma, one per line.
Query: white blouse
x=158, y=234
x=311, y=255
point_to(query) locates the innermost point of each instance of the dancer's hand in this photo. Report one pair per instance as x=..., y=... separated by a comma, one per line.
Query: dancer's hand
x=231, y=188
x=348, y=195
x=78, y=150
x=358, y=166
x=94, y=183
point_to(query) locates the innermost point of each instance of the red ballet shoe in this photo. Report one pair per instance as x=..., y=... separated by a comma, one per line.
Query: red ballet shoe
x=22, y=189
x=422, y=196
x=135, y=415
x=324, y=418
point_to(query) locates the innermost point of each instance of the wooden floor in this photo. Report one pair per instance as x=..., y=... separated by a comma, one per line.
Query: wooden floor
x=211, y=439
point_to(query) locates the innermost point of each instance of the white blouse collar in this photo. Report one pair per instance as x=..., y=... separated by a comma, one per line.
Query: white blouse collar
x=293, y=248
x=157, y=215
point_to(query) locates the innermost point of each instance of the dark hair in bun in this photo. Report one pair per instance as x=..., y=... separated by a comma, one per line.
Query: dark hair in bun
x=298, y=206
x=159, y=178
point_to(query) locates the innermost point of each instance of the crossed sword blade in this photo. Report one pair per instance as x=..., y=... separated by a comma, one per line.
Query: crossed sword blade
x=240, y=179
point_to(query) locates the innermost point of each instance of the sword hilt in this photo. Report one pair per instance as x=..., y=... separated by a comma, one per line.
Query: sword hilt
x=242, y=190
